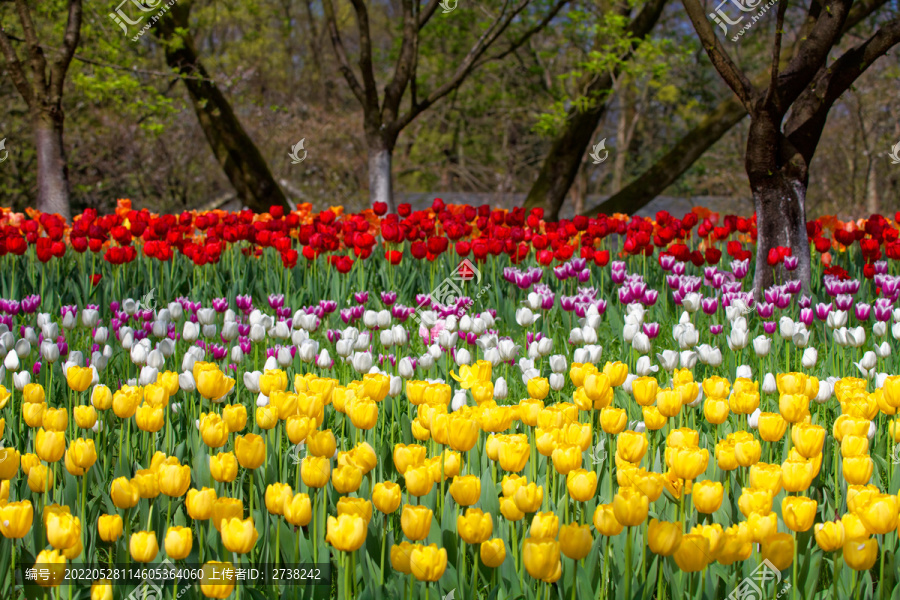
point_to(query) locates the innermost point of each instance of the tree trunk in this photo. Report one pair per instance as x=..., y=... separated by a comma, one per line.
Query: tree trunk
x=670, y=166
x=779, y=195
x=232, y=146
x=380, y=179
x=873, y=202
x=561, y=164
x=52, y=172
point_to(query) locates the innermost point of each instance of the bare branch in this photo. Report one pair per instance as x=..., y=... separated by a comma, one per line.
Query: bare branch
x=393, y=92
x=735, y=78
x=70, y=43
x=341, y=53
x=426, y=14
x=772, y=92
x=38, y=63
x=487, y=38
x=16, y=72
x=365, y=55
x=525, y=37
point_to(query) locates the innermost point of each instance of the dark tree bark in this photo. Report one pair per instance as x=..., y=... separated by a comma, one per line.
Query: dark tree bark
x=564, y=158
x=673, y=164
x=668, y=168
x=779, y=154
x=43, y=94
x=232, y=146
x=383, y=119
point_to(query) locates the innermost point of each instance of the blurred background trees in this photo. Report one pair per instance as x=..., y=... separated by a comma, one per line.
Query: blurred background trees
x=632, y=73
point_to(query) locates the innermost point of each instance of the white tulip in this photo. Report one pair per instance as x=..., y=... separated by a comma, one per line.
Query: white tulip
x=526, y=318
x=405, y=368
x=856, y=336
x=508, y=350
x=148, y=375
x=426, y=361
x=362, y=341
x=762, y=345
x=589, y=335
x=69, y=321
x=641, y=343
x=753, y=419
x=883, y=351
x=880, y=378
x=186, y=381
x=206, y=316
x=155, y=359
x=251, y=381
x=689, y=338
x=743, y=371
x=738, y=339
x=187, y=361
x=324, y=359
x=785, y=327
x=688, y=359
x=592, y=321
x=895, y=330
x=447, y=339
x=836, y=319
x=533, y=301
x=525, y=364
x=12, y=361
x=557, y=381
x=236, y=355
x=871, y=433
x=558, y=363
x=533, y=351
x=691, y=302
x=626, y=385
x=395, y=387
x=176, y=310
x=229, y=331
x=50, y=330
x=545, y=346
x=362, y=362
x=826, y=388
x=629, y=331
x=21, y=379
x=879, y=329
x=576, y=338
x=668, y=360
x=643, y=368
x=580, y=356
x=500, y=391
x=465, y=323
x=257, y=332
x=399, y=334
x=840, y=336
x=435, y=351
x=284, y=357
x=479, y=326
x=307, y=351
x=463, y=357
x=492, y=355
x=344, y=348
x=383, y=319
x=139, y=354
x=529, y=375
x=386, y=338
x=594, y=351
x=262, y=400
x=191, y=331
x=49, y=351
x=459, y=400
x=271, y=364
x=769, y=386
x=809, y=359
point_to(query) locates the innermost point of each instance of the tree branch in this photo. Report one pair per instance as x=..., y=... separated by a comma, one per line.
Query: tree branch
x=365, y=55
x=70, y=43
x=16, y=72
x=523, y=39
x=772, y=92
x=38, y=63
x=468, y=64
x=393, y=92
x=426, y=14
x=735, y=78
x=341, y=53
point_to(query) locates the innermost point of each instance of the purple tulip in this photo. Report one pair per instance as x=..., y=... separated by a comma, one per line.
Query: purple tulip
x=843, y=302
x=822, y=311
x=881, y=267
x=791, y=262
x=649, y=298
x=666, y=261
x=716, y=329
x=244, y=303
x=782, y=301
x=740, y=268
x=220, y=305
x=678, y=268
x=806, y=316
x=709, y=272
x=709, y=305
x=765, y=309
x=245, y=344
x=770, y=327
x=862, y=311
x=793, y=286
x=625, y=295
x=651, y=330
x=883, y=310
x=361, y=297
x=618, y=276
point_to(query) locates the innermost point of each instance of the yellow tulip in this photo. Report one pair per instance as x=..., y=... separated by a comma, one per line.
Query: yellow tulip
x=315, y=471
x=428, y=563
x=266, y=417
x=217, y=579
x=879, y=513
x=147, y=483
x=250, y=450
x=808, y=439
x=124, y=493
x=225, y=509
x=418, y=480
x=707, y=496
x=55, y=563
x=143, y=546
x=276, y=495
x=85, y=416
x=297, y=509
x=858, y=469
x=613, y=420
x=575, y=540
x=79, y=378
x=691, y=554
x=529, y=497
x=102, y=589
x=544, y=525
x=466, y=490
x=630, y=507
x=174, y=480
x=346, y=532
x=238, y=535
x=860, y=555
x=715, y=410
x=829, y=535
x=178, y=542
x=101, y=397
x=50, y=445
x=474, y=526
x=416, y=521
x=663, y=537
x=779, y=550
x=799, y=512
x=540, y=557
x=16, y=519
x=109, y=527
x=493, y=552
x=581, y=484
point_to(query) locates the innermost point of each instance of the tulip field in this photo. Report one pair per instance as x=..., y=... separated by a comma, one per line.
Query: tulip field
x=457, y=402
